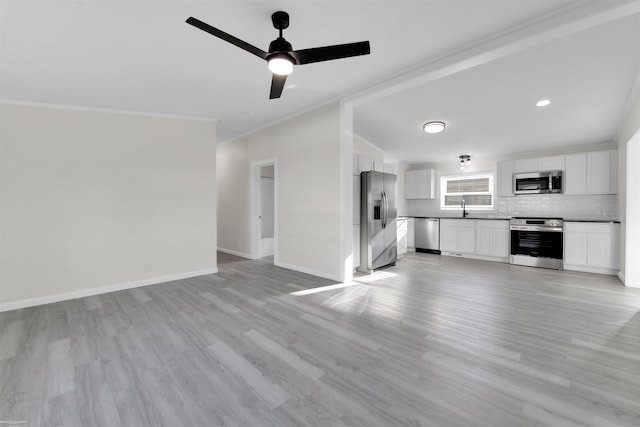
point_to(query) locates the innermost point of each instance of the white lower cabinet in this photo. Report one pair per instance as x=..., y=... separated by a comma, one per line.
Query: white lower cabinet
x=480, y=239
x=419, y=184
x=402, y=237
x=411, y=234
x=493, y=239
x=592, y=247
x=457, y=236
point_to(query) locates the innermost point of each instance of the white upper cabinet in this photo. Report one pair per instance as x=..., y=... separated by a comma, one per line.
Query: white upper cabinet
x=505, y=178
x=539, y=164
x=419, y=184
x=526, y=165
x=575, y=176
x=602, y=172
x=595, y=172
x=551, y=163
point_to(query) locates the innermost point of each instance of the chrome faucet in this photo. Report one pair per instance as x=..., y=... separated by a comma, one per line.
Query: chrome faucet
x=464, y=210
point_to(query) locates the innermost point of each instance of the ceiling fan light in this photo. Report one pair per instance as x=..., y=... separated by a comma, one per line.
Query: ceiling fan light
x=281, y=65
x=433, y=127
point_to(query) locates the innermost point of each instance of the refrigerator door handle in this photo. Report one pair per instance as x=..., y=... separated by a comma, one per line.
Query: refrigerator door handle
x=386, y=209
x=382, y=213
x=385, y=212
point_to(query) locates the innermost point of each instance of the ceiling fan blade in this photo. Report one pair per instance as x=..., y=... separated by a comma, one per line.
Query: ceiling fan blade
x=277, y=84
x=327, y=53
x=227, y=37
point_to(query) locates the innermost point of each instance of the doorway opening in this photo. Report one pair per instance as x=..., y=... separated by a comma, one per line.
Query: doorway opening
x=265, y=228
x=267, y=206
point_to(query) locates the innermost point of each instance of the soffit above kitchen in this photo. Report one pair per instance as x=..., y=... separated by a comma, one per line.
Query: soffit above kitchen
x=490, y=109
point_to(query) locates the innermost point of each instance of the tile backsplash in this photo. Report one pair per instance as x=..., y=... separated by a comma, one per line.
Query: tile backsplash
x=602, y=206
x=592, y=207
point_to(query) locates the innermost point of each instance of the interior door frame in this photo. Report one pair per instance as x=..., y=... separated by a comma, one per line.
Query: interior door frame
x=255, y=207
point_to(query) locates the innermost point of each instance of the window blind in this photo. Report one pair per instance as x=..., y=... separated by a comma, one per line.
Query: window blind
x=476, y=191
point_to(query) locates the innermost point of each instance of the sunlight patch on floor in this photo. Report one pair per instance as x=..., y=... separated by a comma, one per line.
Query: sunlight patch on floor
x=322, y=289
x=376, y=275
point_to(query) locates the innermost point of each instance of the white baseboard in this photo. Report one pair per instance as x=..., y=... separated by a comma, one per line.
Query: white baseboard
x=236, y=253
x=595, y=270
x=102, y=290
x=621, y=276
x=478, y=257
x=311, y=271
x=267, y=246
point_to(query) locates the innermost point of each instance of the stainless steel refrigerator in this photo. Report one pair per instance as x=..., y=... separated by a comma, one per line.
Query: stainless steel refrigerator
x=378, y=230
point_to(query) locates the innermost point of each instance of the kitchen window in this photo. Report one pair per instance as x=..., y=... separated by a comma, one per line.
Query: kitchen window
x=476, y=191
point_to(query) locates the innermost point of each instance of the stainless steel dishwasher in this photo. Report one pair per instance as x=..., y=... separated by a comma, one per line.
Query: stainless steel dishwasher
x=427, y=235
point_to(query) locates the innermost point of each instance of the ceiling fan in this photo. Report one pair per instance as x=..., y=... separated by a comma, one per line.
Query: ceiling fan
x=281, y=56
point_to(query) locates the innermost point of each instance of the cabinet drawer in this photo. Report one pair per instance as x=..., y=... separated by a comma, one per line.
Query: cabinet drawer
x=449, y=222
x=490, y=223
x=589, y=227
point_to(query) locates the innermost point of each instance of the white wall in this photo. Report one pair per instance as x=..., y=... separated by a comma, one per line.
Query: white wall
x=308, y=177
x=629, y=149
x=399, y=169
x=94, y=201
x=366, y=150
x=233, y=171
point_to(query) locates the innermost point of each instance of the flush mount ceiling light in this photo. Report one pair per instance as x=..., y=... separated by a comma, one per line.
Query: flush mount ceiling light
x=465, y=159
x=543, y=103
x=433, y=127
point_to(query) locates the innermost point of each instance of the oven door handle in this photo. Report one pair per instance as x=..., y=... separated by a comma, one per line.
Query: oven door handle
x=534, y=228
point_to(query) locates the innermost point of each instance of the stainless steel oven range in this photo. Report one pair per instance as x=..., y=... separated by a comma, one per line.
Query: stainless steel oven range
x=537, y=242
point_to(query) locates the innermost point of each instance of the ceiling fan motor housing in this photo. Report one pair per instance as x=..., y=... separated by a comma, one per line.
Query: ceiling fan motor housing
x=280, y=47
x=280, y=20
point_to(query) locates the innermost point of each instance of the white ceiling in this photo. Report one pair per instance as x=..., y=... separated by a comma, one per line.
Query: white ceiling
x=141, y=56
x=490, y=109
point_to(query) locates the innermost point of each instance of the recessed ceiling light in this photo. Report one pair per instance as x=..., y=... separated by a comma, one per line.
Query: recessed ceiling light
x=543, y=103
x=433, y=127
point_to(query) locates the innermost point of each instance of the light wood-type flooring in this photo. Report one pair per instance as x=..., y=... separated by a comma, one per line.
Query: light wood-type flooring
x=433, y=341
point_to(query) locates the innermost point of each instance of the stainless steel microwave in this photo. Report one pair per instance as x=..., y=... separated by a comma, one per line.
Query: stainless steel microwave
x=537, y=182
